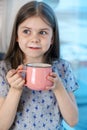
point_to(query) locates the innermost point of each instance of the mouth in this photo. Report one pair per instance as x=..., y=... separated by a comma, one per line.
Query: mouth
x=35, y=48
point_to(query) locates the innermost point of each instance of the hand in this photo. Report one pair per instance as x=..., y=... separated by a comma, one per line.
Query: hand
x=15, y=79
x=53, y=77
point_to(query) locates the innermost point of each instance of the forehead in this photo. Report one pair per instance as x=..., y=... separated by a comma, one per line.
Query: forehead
x=35, y=21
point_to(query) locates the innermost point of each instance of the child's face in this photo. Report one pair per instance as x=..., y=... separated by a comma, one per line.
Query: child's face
x=34, y=38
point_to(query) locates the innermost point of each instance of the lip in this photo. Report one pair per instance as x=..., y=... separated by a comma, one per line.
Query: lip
x=34, y=48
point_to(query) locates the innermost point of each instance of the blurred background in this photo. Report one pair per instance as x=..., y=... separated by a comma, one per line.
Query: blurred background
x=72, y=20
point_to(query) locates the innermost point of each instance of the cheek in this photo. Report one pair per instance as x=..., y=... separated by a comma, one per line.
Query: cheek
x=21, y=41
x=47, y=45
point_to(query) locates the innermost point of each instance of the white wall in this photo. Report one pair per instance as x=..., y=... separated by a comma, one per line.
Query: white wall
x=9, y=10
x=2, y=24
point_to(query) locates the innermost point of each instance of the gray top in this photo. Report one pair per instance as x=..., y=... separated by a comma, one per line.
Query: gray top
x=38, y=110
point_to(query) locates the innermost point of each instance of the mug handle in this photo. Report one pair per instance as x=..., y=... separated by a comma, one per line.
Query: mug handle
x=21, y=70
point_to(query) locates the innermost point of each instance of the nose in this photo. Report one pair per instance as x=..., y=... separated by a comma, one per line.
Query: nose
x=35, y=38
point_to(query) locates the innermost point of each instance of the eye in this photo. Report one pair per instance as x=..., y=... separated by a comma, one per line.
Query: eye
x=26, y=31
x=43, y=32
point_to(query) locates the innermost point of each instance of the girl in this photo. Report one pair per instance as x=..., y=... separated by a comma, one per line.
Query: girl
x=35, y=38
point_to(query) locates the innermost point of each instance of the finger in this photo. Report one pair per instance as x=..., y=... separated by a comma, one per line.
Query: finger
x=14, y=77
x=21, y=84
x=20, y=67
x=53, y=74
x=11, y=73
x=19, y=80
x=52, y=79
x=50, y=87
x=18, y=83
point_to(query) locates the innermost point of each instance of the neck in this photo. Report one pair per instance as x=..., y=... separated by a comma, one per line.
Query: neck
x=33, y=60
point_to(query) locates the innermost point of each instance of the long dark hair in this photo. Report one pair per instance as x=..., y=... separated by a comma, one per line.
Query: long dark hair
x=14, y=54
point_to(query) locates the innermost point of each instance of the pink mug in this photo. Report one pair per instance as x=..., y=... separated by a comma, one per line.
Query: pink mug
x=36, y=75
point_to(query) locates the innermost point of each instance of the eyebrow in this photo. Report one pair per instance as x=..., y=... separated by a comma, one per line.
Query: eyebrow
x=39, y=29
x=45, y=29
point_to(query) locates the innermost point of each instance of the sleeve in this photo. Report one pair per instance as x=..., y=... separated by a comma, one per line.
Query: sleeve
x=4, y=87
x=64, y=70
x=69, y=79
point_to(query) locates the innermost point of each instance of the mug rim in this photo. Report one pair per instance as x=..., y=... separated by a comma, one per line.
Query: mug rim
x=39, y=65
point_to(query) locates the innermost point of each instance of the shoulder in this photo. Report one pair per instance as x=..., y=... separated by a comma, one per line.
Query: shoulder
x=4, y=86
x=2, y=62
x=64, y=70
x=61, y=63
x=62, y=67
x=4, y=66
